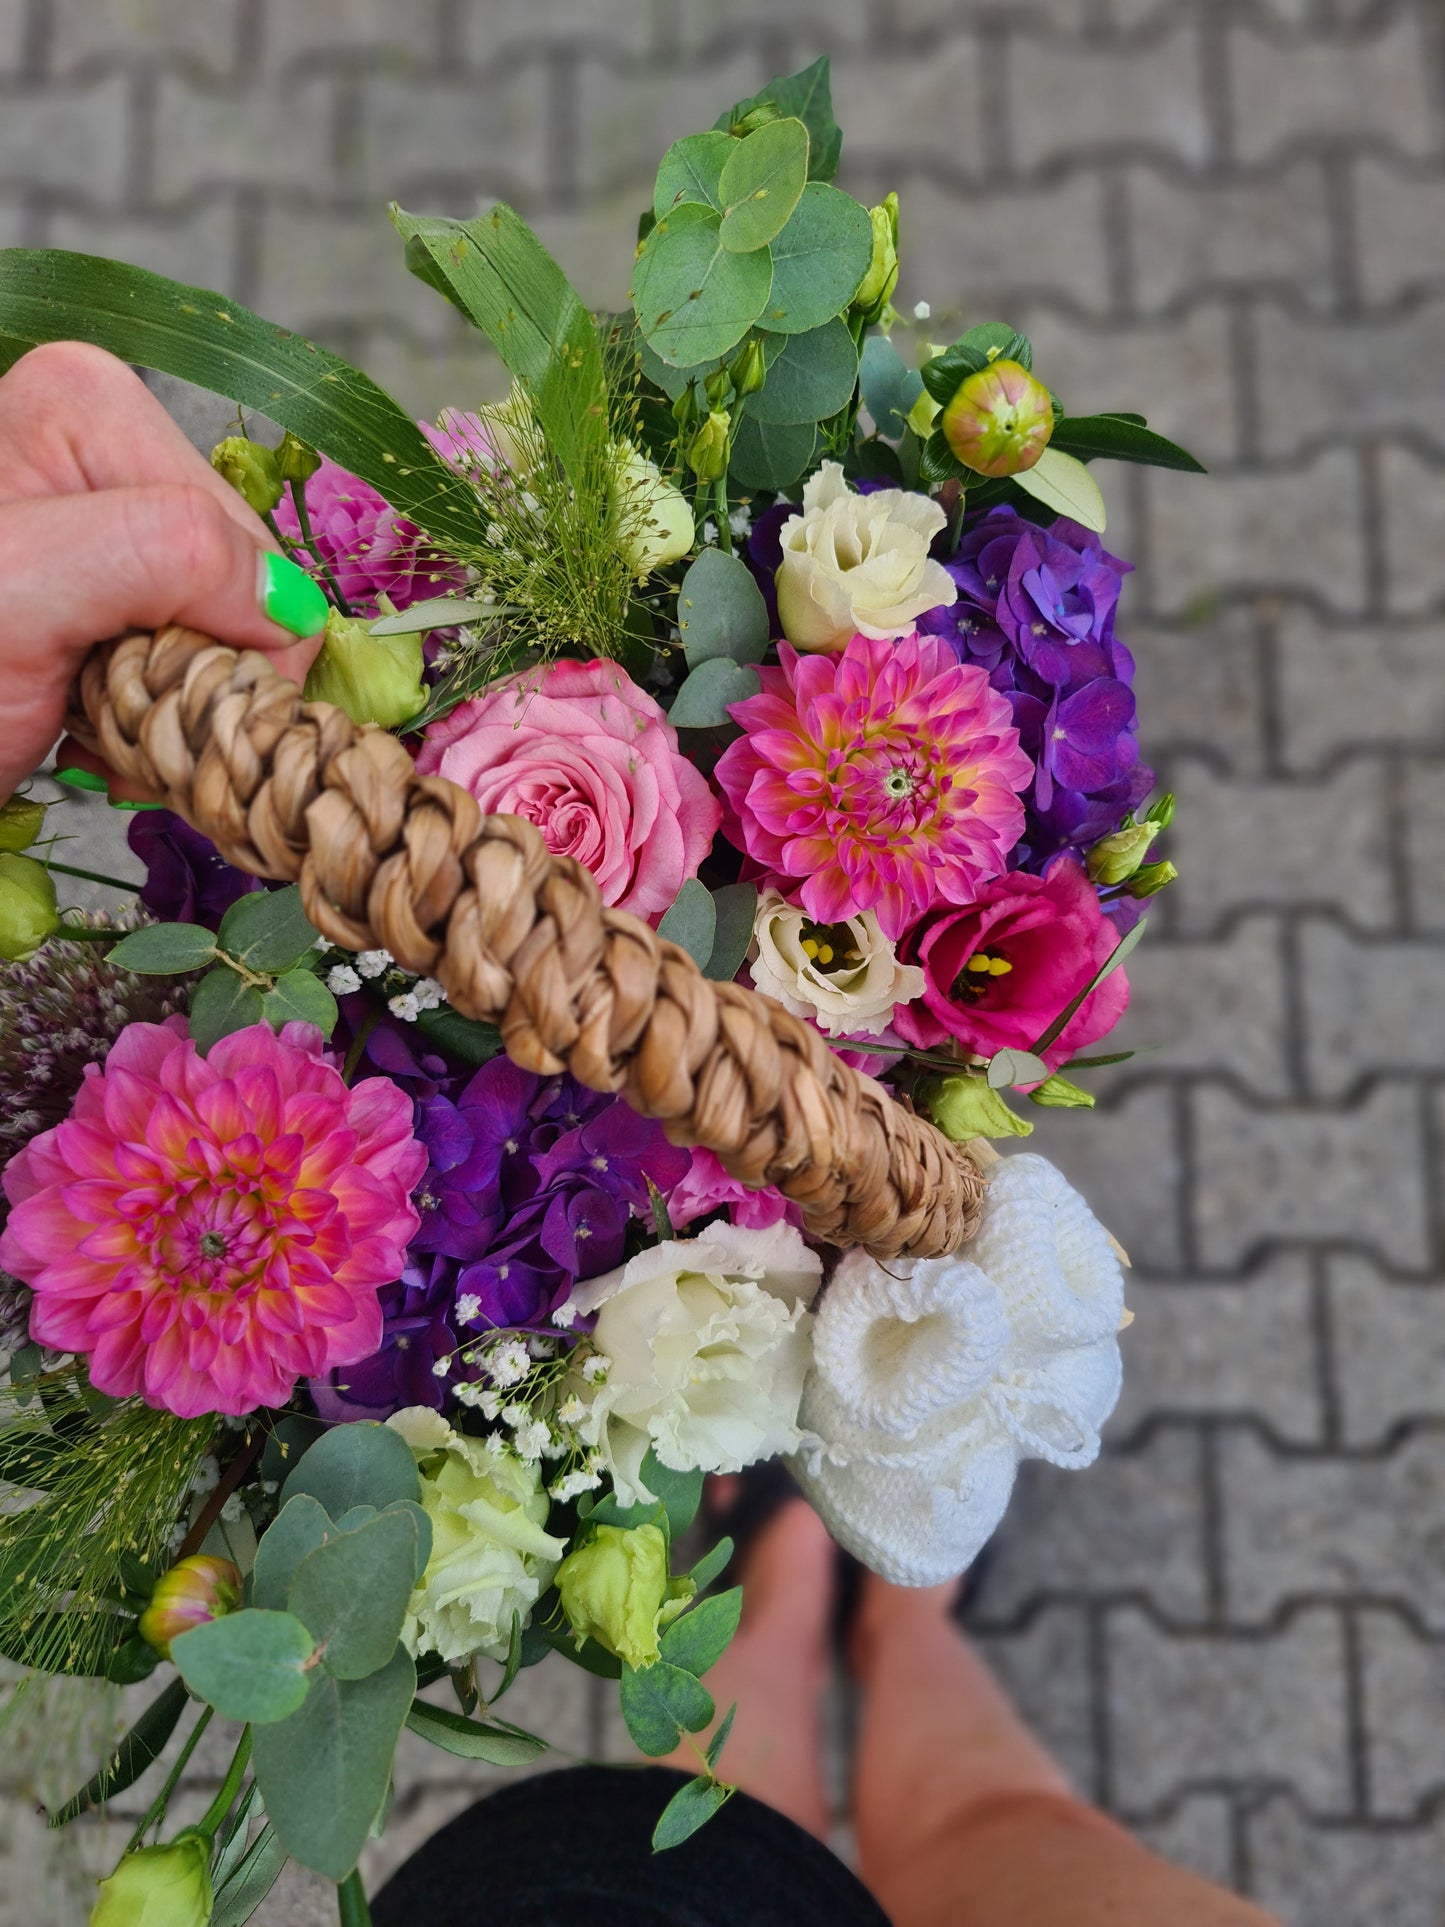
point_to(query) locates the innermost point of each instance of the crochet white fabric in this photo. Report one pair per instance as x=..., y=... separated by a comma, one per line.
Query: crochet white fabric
x=933, y=1378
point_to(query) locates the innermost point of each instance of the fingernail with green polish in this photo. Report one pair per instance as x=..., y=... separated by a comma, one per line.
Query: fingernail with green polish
x=289, y=596
x=123, y=803
x=81, y=779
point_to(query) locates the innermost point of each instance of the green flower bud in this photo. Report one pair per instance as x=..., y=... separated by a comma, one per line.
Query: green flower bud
x=707, y=454
x=1058, y=1094
x=1151, y=879
x=718, y=388
x=875, y=290
x=28, y=910
x=251, y=469
x=1115, y=858
x=749, y=371
x=755, y=118
x=167, y=1886
x=1161, y=814
x=1000, y=420
x=297, y=460
x=192, y=1593
x=965, y=1107
x=375, y=679
x=21, y=821
x=615, y=1589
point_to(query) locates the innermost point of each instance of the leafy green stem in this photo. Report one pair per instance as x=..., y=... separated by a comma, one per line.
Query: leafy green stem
x=230, y=1787
x=303, y=522
x=724, y=526
x=351, y=1900
x=155, y=1812
x=90, y=876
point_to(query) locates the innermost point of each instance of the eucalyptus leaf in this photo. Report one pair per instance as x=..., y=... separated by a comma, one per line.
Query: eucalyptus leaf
x=711, y=1564
x=1124, y=438
x=736, y=905
x=1007, y=1068
x=691, y=921
x=139, y=1748
x=437, y=612
x=695, y=299
x=351, y=1593
x=206, y=338
x=499, y=1744
x=691, y=1807
x=299, y=1528
x=990, y=341
x=324, y=1772
x=660, y=1703
x=690, y=171
x=721, y=611
x=699, y=1639
x=267, y=930
x=765, y=455
x=808, y=95
x=761, y=183
x=220, y=1003
x=1062, y=483
x=811, y=379
x=362, y=1463
x=300, y=997
x=890, y=386
x=720, y=1738
x=819, y=260
x=702, y=702
x=164, y=949
x=680, y=1492
x=252, y=1666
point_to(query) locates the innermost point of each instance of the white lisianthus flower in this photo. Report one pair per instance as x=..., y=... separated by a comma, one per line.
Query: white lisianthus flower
x=655, y=524
x=858, y=564
x=490, y=1556
x=708, y=1343
x=845, y=976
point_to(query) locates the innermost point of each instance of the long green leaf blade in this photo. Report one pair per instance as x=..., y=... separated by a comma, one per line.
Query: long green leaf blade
x=200, y=336
x=139, y=1749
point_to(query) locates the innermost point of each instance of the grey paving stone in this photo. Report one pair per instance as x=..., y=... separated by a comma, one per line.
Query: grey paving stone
x=1424, y=843
x=1404, y=1706
x=1369, y=1006
x=1317, y=1876
x=1347, y=684
x=1199, y=685
x=1191, y=237
x=1316, y=379
x=1413, y=496
x=1399, y=211
x=486, y=29
x=1371, y=87
x=317, y=271
x=1074, y=100
x=892, y=104
x=1301, y=1175
x=197, y=245
x=918, y=20
x=1211, y=1349
x=1198, y=1834
x=325, y=31
x=71, y=137
x=1190, y=1710
x=1249, y=530
x=1093, y=1539
x=1041, y=241
x=1131, y=1167
x=13, y=25
x=14, y=224
x=1388, y=1346
x=626, y=116
x=1274, y=845
x=1215, y=1004
x=1045, y=1665
x=144, y=32
x=470, y=142
x=276, y=136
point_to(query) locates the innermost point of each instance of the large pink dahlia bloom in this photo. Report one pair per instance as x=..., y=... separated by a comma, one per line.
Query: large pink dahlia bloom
x=209, y=1230
x=885, y=777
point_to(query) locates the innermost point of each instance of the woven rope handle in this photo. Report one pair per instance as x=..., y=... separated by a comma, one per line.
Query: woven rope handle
x=388, y=859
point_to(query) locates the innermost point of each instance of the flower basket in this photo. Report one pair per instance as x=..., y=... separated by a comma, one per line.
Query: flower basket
x=557, y=1051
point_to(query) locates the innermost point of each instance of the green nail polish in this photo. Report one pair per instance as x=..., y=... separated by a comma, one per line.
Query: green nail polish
x=122, y=803
x=81, y=779
x=289, y=596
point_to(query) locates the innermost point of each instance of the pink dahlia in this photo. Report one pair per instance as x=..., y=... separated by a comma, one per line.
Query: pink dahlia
x=885, y=777
x=209, y=1230
x=589, y=758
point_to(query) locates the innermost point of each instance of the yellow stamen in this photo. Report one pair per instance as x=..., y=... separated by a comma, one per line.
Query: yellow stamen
x=825, y=953
x=810, y=948
x=978, y=963
x=999, y=966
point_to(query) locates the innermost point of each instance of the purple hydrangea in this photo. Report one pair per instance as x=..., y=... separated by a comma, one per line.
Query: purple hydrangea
x=1036, y=609
x=187, y=878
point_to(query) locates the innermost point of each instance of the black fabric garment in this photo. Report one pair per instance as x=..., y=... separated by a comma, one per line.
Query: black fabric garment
x=574, y=1849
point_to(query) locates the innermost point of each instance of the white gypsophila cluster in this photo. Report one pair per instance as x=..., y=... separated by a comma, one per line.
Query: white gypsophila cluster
x=468, y=1307
x=740, y=521
x=934, y=1377
x=342, y=980
x=373, y=963
x=425, y=994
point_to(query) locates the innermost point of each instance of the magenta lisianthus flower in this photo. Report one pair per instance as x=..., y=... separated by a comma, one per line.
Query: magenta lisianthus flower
x=885, y=778
x=589, y=758
x=707, y=1185
x=369, y=548
x=209, y=1230
x=999, y=971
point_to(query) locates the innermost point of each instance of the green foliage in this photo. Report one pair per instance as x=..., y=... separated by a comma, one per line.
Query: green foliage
x=267, y=930
x=691, y=1807
x=1118, y=955
x=819, y=260
x=1058, y=1094
x=890, y=386
x=1063, y=484
x=300, y=997
x=138, y=1749
x=299, y=1528
x=351, y=1592
x=164, y=949
x=690, y=172
x=680, y=1492
x=813, y=378
x=990, y=341
x=695, y=298
x=222, y=1002
x=206, y=338
x=1125, y=438
x=721, y=611
x=711, y=1564
x=720, y=1739
x=470, y=1042
x=1010, y=1067
x=324, y=1771
x=735, y=906
x=702, y=702
x=691, y=921
x=767, y=456
x=363, y=1463
x=251, y=1666
x=257, y=1872
x=660, y=1703
x=808, y=97
x=761, y=183
x=698, y=1640
x=494, y=1741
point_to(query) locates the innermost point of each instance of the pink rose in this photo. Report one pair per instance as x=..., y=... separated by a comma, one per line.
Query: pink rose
x=580, y=751
x=999, y=971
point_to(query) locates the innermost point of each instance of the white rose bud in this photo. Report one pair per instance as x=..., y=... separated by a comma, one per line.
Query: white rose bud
x=655, y=524
x=858, y=564
x=845, y=976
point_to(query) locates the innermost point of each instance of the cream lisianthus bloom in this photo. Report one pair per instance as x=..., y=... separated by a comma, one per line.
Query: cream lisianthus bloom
x=845, y=976
x=655, y=524
x=858, y=564
x=490, y=1557
x=706, y=1342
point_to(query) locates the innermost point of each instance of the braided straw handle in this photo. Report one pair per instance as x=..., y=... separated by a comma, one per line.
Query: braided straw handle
x=388, y=859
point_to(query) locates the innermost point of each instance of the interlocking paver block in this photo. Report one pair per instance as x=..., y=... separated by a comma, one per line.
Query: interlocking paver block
x=1132, y=1168
x=1372, y=87
x=277, y=135
x=1424, y=841
x=1027, y=242
x=68, y=137
x=1413, y=498
x=1315, y=379
x=1199, y=684
x=1074, y=100
x=1217, y=1003
x=1338, y=1876
x=1404, y=1696
x=1045, y=1664
x=1369, y=1006
x=1347, y=684
x=1399, y=219
x=81, y=35
x=1267, y=230
x=1388, y=1346
x=477, y=140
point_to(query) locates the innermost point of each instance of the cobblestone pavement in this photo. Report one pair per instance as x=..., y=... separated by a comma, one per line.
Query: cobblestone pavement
x=1230, y=213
